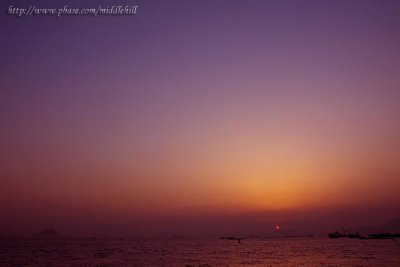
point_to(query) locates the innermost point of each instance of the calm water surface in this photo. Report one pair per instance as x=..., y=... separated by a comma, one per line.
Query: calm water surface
x=197, y=252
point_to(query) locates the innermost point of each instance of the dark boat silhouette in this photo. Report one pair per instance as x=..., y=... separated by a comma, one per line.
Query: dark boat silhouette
x=383, y=236
x=336, y=234
x=390, y=230
x=354, y=235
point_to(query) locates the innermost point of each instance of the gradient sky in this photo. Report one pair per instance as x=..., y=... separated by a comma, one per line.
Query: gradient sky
x=191, y=113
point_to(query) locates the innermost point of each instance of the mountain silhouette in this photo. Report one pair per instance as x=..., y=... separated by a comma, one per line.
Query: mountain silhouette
x=393, y=226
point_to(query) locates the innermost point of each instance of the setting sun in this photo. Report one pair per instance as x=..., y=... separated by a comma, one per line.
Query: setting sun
x=188, y=119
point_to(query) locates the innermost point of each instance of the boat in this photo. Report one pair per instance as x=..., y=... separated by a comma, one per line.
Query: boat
x=354, y=235
x=336, y=234
x=382, y=236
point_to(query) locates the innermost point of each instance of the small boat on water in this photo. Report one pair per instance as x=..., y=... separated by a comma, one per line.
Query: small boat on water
x=354, y=235
x=383, y=236
x=336, y=234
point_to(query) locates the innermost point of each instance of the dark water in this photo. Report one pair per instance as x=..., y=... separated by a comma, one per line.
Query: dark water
x=195, y=252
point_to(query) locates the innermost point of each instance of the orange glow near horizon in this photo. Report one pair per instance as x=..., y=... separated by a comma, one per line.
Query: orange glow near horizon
x=290, y=112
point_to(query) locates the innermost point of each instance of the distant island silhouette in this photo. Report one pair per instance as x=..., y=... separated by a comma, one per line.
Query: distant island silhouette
x=47, y=234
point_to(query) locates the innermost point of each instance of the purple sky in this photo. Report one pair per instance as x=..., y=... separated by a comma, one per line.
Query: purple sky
x=201, y=110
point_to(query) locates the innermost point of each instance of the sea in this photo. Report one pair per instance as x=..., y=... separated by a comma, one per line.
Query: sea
x=289, y=251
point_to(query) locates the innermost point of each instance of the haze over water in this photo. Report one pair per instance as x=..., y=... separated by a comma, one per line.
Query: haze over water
x=201, y=118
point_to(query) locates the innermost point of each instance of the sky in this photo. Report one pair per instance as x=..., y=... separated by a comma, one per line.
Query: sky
x=203, y=117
